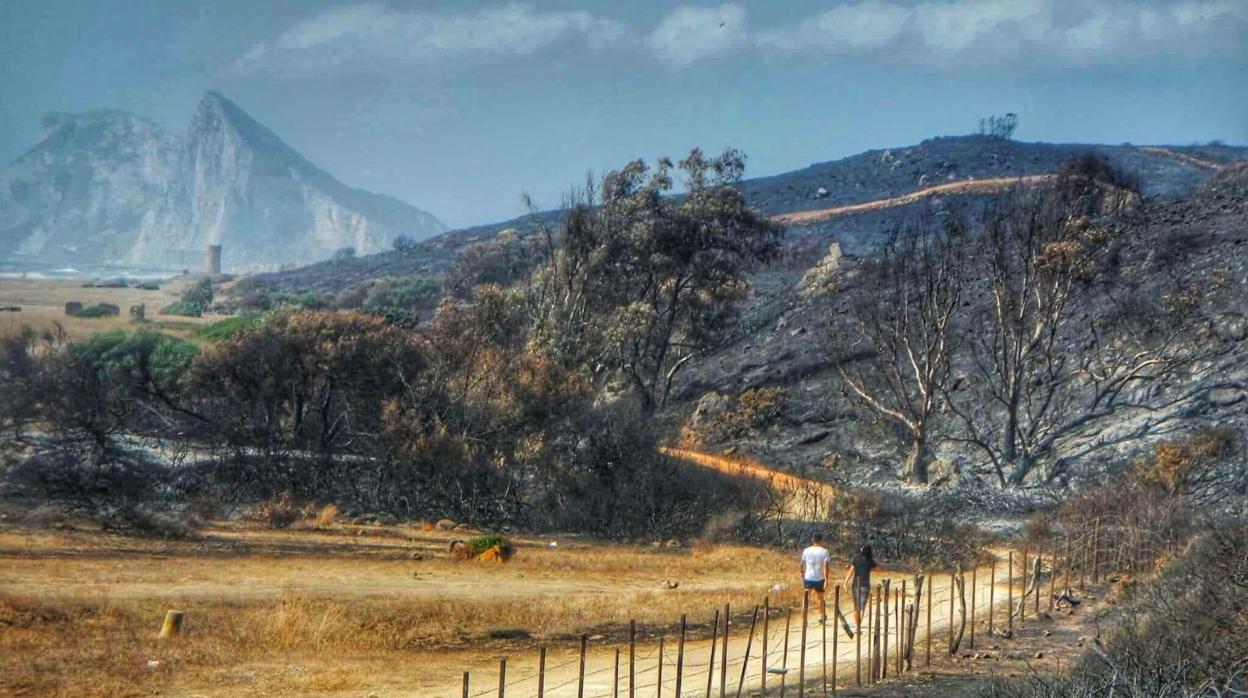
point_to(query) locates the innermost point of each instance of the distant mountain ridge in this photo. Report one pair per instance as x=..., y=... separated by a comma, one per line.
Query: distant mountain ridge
x=112, y=187
x=870, y=176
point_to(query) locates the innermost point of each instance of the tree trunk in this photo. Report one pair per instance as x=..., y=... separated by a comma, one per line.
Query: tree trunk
x=1022, y=466
x=917, y=460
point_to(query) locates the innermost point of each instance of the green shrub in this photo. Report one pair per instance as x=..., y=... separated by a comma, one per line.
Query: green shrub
x=225, y=329
x=481, y=544
x=98, y=311
x=195, y=300
x=148, y=286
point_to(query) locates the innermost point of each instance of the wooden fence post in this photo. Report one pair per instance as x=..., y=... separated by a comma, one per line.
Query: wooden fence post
x=658, y=692
x=992, y=591
x=884, y=637
x=857, y=639
x=541, y=672
x=1039, y=576
x=632, y=659
x=749, y=644
x=502, y=677
x=1052, y=573
x=901, y=627
x=1022, y=607
x=723, y=661
x=762, y=680
x=875, y=641
x=836, y=636
x=680, y=655
x=1009, y=609
x=615, y=677
x=580, y=677
x=951, y=583
x=784, y=658
x=465, y=691
x=931, y=584
x=974, y=571
x=710, y=671
x=801, y=655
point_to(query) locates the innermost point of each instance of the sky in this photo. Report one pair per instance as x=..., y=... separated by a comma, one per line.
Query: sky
x=460, y=107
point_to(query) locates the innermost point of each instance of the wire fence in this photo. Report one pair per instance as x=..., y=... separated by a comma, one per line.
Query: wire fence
x=775, y=649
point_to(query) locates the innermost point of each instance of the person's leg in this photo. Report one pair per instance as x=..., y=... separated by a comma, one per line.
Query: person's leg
x=823, y=610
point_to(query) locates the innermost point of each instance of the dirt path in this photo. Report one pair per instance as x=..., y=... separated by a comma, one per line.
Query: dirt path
x=1199, y=163
x=561, y=679
x=967, y=186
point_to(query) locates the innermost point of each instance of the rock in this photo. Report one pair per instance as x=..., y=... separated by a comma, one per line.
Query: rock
x=1232, y=327
x=1039, y=655
x=445, y=525
x=1224, y=397
x=669, y=584
x=656, y=544
x=822, y=277
x=673, y=543
x=416, y=556
x=821, y=193
x=459, y=550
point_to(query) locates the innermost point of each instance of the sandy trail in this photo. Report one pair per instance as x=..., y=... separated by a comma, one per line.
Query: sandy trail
x=1199, y=163
x=562, y=670
x=988, y=185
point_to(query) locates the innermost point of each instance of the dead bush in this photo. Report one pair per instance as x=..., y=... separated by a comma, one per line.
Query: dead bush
x=326, y=516
x=279, y=512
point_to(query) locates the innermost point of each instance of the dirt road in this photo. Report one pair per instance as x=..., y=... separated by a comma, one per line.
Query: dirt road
x=967, y=186
x=562, y=668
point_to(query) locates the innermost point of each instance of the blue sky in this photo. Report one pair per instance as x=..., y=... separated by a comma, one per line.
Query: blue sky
x=458, y=107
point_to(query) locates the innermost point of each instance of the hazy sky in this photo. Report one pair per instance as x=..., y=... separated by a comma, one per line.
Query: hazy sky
x=459, y=106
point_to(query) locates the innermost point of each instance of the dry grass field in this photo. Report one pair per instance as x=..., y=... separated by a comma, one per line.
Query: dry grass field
x=347, y=610
x=42, y=303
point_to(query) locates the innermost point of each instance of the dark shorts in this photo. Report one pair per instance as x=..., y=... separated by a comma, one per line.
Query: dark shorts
x=862, y=594
x=809, y=584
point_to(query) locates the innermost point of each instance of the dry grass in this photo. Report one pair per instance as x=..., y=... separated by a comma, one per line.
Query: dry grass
x=43, y=307
x=343, y=605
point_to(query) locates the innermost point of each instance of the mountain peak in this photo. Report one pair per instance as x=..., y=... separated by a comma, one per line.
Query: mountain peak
x=113, y=186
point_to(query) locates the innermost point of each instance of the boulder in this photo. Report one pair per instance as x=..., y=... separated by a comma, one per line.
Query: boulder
x=445, y=525
x=459, y=550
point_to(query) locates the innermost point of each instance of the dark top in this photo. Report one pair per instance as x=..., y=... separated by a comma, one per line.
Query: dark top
x=862, y=570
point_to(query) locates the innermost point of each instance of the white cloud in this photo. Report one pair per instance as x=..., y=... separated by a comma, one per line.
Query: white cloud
x=848, y=28
x=961, y=34
x=1019, y=34
x=370, y=34
x=690, y=34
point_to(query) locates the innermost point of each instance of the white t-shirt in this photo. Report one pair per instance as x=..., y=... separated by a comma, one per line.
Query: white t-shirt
x=813, y=559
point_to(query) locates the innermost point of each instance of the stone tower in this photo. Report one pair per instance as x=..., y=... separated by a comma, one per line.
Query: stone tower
x=212, y=259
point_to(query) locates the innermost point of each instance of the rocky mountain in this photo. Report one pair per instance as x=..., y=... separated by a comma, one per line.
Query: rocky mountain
x=111, y=187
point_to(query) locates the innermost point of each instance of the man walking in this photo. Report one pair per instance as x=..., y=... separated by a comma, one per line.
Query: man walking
x=815, y=571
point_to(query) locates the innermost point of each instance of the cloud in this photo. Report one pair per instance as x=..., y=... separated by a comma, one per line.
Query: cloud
x=1031, y=34
x=848, y=28
x=1013, y=35
x=368, y=35
x=690, y=34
